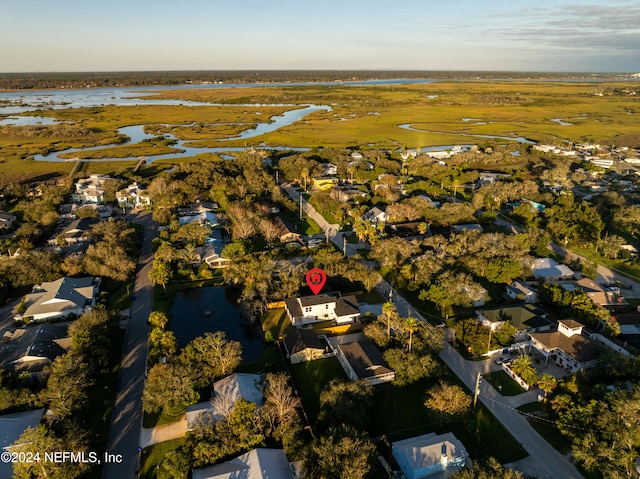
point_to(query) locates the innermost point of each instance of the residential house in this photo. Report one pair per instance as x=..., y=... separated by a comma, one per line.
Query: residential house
x=323, y=183
x=567, y=346
x=413, y=230
x=210, y=254
x=133, y=196
x=287, y=232
x=322, y=307
x=31, y=349
x=629, y=324
x=7, y=220
x=357, y=156
x=11, y=428
x=361, y=359
x=329, y=169
x=521, y=291
x=525, y=318
x=198, y=212
x=258, y=463
x=598, y=295
x=75, y=232
x=550, y=269
x=303, y=345
x=224, y=395
x=430, y=454
x=91, y=190
x=477, y=294
x=375, y=215
x=60, y=298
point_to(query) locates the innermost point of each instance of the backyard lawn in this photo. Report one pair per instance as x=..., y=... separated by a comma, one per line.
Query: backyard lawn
x=152, y=456
x=398, y=412
x=509, y=386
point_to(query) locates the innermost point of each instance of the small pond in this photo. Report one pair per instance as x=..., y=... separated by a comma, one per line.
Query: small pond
x=197, y=311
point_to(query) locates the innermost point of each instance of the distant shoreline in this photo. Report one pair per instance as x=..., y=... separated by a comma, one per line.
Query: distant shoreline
x=77, y=80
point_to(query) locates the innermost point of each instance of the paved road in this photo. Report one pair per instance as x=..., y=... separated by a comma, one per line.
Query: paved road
x=544, y=460
x=126, y=419
x=629, y=287
x=332, y=229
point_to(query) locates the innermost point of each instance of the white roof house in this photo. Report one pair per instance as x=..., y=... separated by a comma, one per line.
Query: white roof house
x=133, y=196
x=375, y=215
x=224, y=396
x=60, y=298
x=259, y=463
x=91, y=190
x=430, y=455
x=549, y=268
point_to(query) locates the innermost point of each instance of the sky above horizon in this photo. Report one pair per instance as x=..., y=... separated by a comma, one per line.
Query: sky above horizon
x=488, y=35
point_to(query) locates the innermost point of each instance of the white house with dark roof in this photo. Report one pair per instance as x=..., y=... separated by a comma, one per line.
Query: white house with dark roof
x=322, y=307
x=303, y=345
x=258, y=463
x=361, y=359
x=567, y=346
x=430, y=455
x=59, y=298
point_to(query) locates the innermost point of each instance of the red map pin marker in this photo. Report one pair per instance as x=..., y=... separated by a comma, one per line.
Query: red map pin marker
x=316, y=278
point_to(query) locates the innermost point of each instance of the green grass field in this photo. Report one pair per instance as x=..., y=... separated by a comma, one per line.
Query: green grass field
x=360, y=116
x=509, y=386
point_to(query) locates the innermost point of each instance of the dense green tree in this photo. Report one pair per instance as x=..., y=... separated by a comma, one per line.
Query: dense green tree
x=161, y=344
x=345, y=403
x=487, y=469
x=449, y=402
x=66, y=390
x=410, y=367
x=43, y=439
x=160, y=274
x=344, y=452
x=109, y=260
x=169, y=387
x=503, y=270
x=158, y=319
x=211, y=356
x=91, y=337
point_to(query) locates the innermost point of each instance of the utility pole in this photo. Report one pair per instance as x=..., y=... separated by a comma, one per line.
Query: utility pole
x=344, y=245
x=489, y=345
x=477, y=391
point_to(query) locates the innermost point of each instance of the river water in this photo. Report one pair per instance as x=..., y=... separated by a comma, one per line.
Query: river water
x=17, y=103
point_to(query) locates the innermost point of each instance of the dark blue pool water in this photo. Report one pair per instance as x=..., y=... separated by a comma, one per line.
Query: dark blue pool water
x=197, y=311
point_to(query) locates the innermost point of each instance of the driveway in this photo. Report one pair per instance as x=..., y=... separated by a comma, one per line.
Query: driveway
x=166, y=432
x=126, y=418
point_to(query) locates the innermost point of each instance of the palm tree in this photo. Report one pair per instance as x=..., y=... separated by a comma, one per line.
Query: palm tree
x=388, y=310
x=411, y=325
x=547, y=383
x=522, y=367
